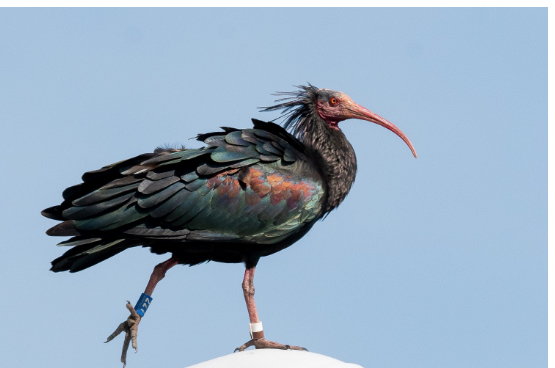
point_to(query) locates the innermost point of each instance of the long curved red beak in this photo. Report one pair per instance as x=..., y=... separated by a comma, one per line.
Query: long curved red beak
x=359, y=112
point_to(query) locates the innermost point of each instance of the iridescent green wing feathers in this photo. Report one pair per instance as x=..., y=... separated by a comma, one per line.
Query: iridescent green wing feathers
x=251, y=185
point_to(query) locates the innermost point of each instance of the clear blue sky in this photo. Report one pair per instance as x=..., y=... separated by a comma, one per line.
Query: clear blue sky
x=435, y=262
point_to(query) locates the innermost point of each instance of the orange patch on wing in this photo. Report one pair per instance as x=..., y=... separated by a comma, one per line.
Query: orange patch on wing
x=245, y=175
x=296, y=192
x=235, y=189
x=281, y=191
x=222, y=189
x=229, y=186
x=285, y=185
x=248, y=174
x=216, y=181
x=274, y=179
x=307, y=189
x=275, y=198
x=255, y=173
x=260, y=187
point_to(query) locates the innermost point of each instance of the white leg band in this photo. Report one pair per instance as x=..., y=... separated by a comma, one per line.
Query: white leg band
x=255, y=327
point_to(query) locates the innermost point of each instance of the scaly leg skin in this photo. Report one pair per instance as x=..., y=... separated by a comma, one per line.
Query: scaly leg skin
x=131, y=325
x=258, y=339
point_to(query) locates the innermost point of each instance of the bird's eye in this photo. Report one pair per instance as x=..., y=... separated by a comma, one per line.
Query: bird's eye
x=334, y=101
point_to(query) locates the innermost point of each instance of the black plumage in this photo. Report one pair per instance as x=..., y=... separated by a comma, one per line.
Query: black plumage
x=247, y=194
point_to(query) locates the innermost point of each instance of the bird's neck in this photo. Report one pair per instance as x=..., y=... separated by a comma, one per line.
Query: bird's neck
x=337, y=160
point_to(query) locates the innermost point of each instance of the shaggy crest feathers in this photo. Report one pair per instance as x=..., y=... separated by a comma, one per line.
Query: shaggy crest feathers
x=297, y=109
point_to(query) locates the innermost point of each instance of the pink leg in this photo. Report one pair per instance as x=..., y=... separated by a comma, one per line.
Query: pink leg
x=248, y=293
x=131, y=325
x=158, y=274
x=258, y=339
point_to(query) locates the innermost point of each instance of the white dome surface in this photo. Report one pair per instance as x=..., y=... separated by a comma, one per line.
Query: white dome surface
x=274, y=358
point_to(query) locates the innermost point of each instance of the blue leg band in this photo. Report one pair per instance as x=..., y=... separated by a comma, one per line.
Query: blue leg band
x=142, y=304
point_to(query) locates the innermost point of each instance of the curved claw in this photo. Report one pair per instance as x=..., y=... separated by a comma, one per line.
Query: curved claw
x=244, y=346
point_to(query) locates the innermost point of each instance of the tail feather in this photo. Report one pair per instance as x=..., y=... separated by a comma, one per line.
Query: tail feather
x=78, y=240
x=54, y=213
x=66, y=228
x=88, y=254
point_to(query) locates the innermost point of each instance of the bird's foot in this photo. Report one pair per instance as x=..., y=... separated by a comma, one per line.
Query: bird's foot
x=267, y=344
x=130, y=326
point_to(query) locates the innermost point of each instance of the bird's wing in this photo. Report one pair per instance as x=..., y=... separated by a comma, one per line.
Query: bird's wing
x=252, y=185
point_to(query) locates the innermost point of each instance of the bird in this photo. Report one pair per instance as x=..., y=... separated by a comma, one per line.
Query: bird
x=246, y=194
